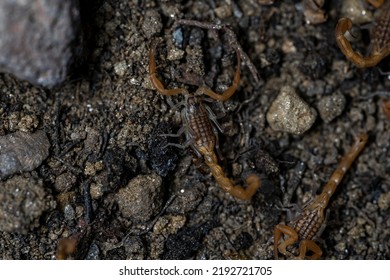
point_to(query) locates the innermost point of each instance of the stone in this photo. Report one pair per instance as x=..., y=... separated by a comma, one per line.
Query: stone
x=22, y=203
x=141, y=199
x=290, y=113
x=20, y=152
x=330, y=107
x=39, y=39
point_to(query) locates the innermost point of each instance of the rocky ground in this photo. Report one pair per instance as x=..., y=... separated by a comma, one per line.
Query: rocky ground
x=104, y=185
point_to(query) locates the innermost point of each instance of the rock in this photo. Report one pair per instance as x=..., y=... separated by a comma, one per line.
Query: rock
x=289, y=113
x=141, y=199
x=22, y=203
x=38, y=39
x=331, y=107
x=64, y=182
x=21, y=152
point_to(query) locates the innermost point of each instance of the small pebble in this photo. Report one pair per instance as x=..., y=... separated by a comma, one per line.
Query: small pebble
x=289, y=113
x=152, y=23
x=384, y=201
x=330, y=107
x=65, y=181
x=169, y=224
x=23, y=200
x=224, y=11
x=21, y=152
x=69, y=212
x=93, y=252
x=141, y=198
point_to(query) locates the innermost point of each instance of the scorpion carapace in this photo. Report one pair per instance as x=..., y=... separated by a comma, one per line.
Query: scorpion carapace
x=310, y=222
x=200, y=133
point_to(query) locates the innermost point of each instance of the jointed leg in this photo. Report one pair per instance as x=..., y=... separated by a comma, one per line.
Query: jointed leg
x=345, y=164
x=309, y=245
x=292, y=238
x=153, y=76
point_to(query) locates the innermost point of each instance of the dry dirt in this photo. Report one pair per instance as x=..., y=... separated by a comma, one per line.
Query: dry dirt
x=109, y=182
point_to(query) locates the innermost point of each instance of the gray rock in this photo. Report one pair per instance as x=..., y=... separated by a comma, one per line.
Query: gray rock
x=289, y=113
x=141, y=199
x=21, y=152
x=331, y=107
x=38, y=39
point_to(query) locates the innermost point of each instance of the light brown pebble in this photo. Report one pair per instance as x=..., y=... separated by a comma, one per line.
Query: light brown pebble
x=289, y=113
x=141, y=199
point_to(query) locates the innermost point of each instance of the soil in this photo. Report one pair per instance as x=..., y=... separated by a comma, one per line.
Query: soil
x=111, y=188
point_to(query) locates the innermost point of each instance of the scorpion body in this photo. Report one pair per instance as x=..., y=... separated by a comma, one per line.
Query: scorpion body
x=200, y=132
x=202, y=136
x=310, y=222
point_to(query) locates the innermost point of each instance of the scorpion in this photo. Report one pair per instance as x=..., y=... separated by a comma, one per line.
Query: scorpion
x=200, y=133
x=310, y=222
x=380, y=43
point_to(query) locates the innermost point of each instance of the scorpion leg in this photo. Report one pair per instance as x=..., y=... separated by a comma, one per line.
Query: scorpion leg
x=292, y=238
x=153, y=75
x=230, y=91
x=344, y=25
x=309, y=245
x=345, y=164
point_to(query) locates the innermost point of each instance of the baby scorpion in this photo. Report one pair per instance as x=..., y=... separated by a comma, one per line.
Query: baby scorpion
x=200, y=133
x=309, y=222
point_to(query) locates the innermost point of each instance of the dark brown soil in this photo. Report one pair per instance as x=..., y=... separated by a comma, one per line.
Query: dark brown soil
x=110, y=182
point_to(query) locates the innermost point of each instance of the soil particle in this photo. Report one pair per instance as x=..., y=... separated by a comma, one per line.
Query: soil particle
x=23, y=200
x=289, y=113
x=106, y=129
x=141, y=199
x=330, y=107
x=64, y=182
x=21, y=152
x=152, y=23
x=186, y=242
x=384, y=201
x=169, y=224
